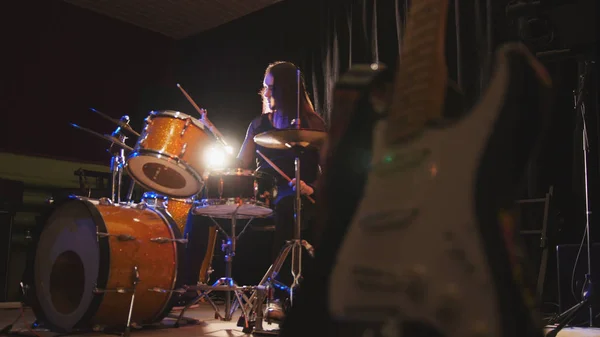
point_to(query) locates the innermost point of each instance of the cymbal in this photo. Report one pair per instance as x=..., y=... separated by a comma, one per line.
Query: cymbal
x=287, y=138
x=125, y=126
x=105, y=137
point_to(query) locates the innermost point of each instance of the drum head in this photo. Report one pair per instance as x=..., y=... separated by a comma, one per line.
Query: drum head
x=231, y=172
x=67, y=264
x=224, y=209
x=164, y=175
x=180, y=115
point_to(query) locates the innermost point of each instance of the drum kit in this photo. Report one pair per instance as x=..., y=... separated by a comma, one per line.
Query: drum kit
x=113, y=263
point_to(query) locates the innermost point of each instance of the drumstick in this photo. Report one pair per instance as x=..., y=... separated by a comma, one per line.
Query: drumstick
x=203, y=117
x=281, y=172
x=190, y=100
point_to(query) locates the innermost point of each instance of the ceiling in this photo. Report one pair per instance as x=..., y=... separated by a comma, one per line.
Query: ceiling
x=177, y=19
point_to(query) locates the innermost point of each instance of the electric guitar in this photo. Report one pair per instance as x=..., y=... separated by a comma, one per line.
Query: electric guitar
x=430, y=247
x=360, y=99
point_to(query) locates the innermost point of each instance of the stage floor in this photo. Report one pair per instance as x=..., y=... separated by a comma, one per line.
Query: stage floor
x=208, y=326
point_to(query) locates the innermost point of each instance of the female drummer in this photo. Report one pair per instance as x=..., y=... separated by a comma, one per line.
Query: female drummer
x=280, y=104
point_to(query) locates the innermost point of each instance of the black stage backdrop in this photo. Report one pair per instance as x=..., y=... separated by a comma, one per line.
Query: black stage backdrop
x=60, y=60
x=223, y=68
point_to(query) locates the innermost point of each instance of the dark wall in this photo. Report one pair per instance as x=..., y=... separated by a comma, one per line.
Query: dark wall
x=222, y=69
x=63, y=60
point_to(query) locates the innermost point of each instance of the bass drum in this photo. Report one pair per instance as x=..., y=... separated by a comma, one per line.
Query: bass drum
x=87, y=258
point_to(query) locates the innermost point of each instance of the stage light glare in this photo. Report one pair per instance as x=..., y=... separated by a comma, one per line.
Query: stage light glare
x=216, y=157
x=229, y=149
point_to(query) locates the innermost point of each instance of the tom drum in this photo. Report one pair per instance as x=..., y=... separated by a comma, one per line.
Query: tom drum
x=169, y=155
x=177, y=208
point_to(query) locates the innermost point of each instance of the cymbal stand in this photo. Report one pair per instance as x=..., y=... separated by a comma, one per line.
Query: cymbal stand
x=116, y=167
x=295, y=245
x=589, y=297
x=226, y=283
x=297, y=241
x=136, y=279
x=130, y=191
x=117, y=163
x=255, y=302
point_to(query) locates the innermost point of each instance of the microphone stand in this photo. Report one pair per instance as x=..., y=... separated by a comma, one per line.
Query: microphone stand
x=117, y=162
x=588, y=292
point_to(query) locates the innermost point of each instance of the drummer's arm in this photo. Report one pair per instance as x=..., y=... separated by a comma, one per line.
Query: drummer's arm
x=315, y=184
x=318, y=123
x=246, y=154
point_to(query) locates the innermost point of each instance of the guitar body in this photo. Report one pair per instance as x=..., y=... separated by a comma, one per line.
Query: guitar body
x=358, y=96
x=431, y=247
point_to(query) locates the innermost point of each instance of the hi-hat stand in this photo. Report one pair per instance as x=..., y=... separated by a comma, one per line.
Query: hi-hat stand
x=296, y=244
x=588, y=292
x=226, y=284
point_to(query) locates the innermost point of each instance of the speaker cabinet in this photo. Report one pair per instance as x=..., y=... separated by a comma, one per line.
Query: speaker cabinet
x=11, y=198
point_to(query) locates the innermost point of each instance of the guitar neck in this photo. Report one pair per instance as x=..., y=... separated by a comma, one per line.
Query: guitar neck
x=422, y=76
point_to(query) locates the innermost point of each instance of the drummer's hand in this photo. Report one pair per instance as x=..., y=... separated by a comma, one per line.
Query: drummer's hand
x=304, y=188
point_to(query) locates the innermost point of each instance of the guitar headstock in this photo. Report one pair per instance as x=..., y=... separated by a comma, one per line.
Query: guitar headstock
x=421, y=79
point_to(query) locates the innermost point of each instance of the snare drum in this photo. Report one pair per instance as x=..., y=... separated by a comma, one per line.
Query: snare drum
x=86, y=259
x=250, y=193
x=169, y=155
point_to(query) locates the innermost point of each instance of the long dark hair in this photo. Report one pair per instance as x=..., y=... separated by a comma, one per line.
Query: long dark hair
x=285, y=84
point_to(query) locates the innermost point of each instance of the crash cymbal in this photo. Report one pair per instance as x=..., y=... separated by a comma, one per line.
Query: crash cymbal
x=125, y=126
x=105, y=137
x=288, y=138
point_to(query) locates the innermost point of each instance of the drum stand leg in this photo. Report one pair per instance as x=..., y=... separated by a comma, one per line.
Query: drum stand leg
x=181, y=318
x=136, y=278
x=226, y=283
x=117, y=162
x=255, y=303
x=130, y=191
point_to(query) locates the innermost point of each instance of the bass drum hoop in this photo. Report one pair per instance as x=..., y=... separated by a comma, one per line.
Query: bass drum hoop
x=172, y=161
x=103, y=266
x=103, y=273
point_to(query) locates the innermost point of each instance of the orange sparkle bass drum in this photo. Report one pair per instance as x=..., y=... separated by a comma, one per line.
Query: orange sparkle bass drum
x=88, y=255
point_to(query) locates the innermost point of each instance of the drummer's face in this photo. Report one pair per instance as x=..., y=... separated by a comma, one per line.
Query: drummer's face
x=268, y=90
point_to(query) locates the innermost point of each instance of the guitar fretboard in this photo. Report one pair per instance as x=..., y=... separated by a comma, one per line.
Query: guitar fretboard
x=421, y=78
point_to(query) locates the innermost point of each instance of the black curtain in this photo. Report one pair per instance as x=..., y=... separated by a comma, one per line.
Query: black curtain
x=223, y=68
x=370, y=31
